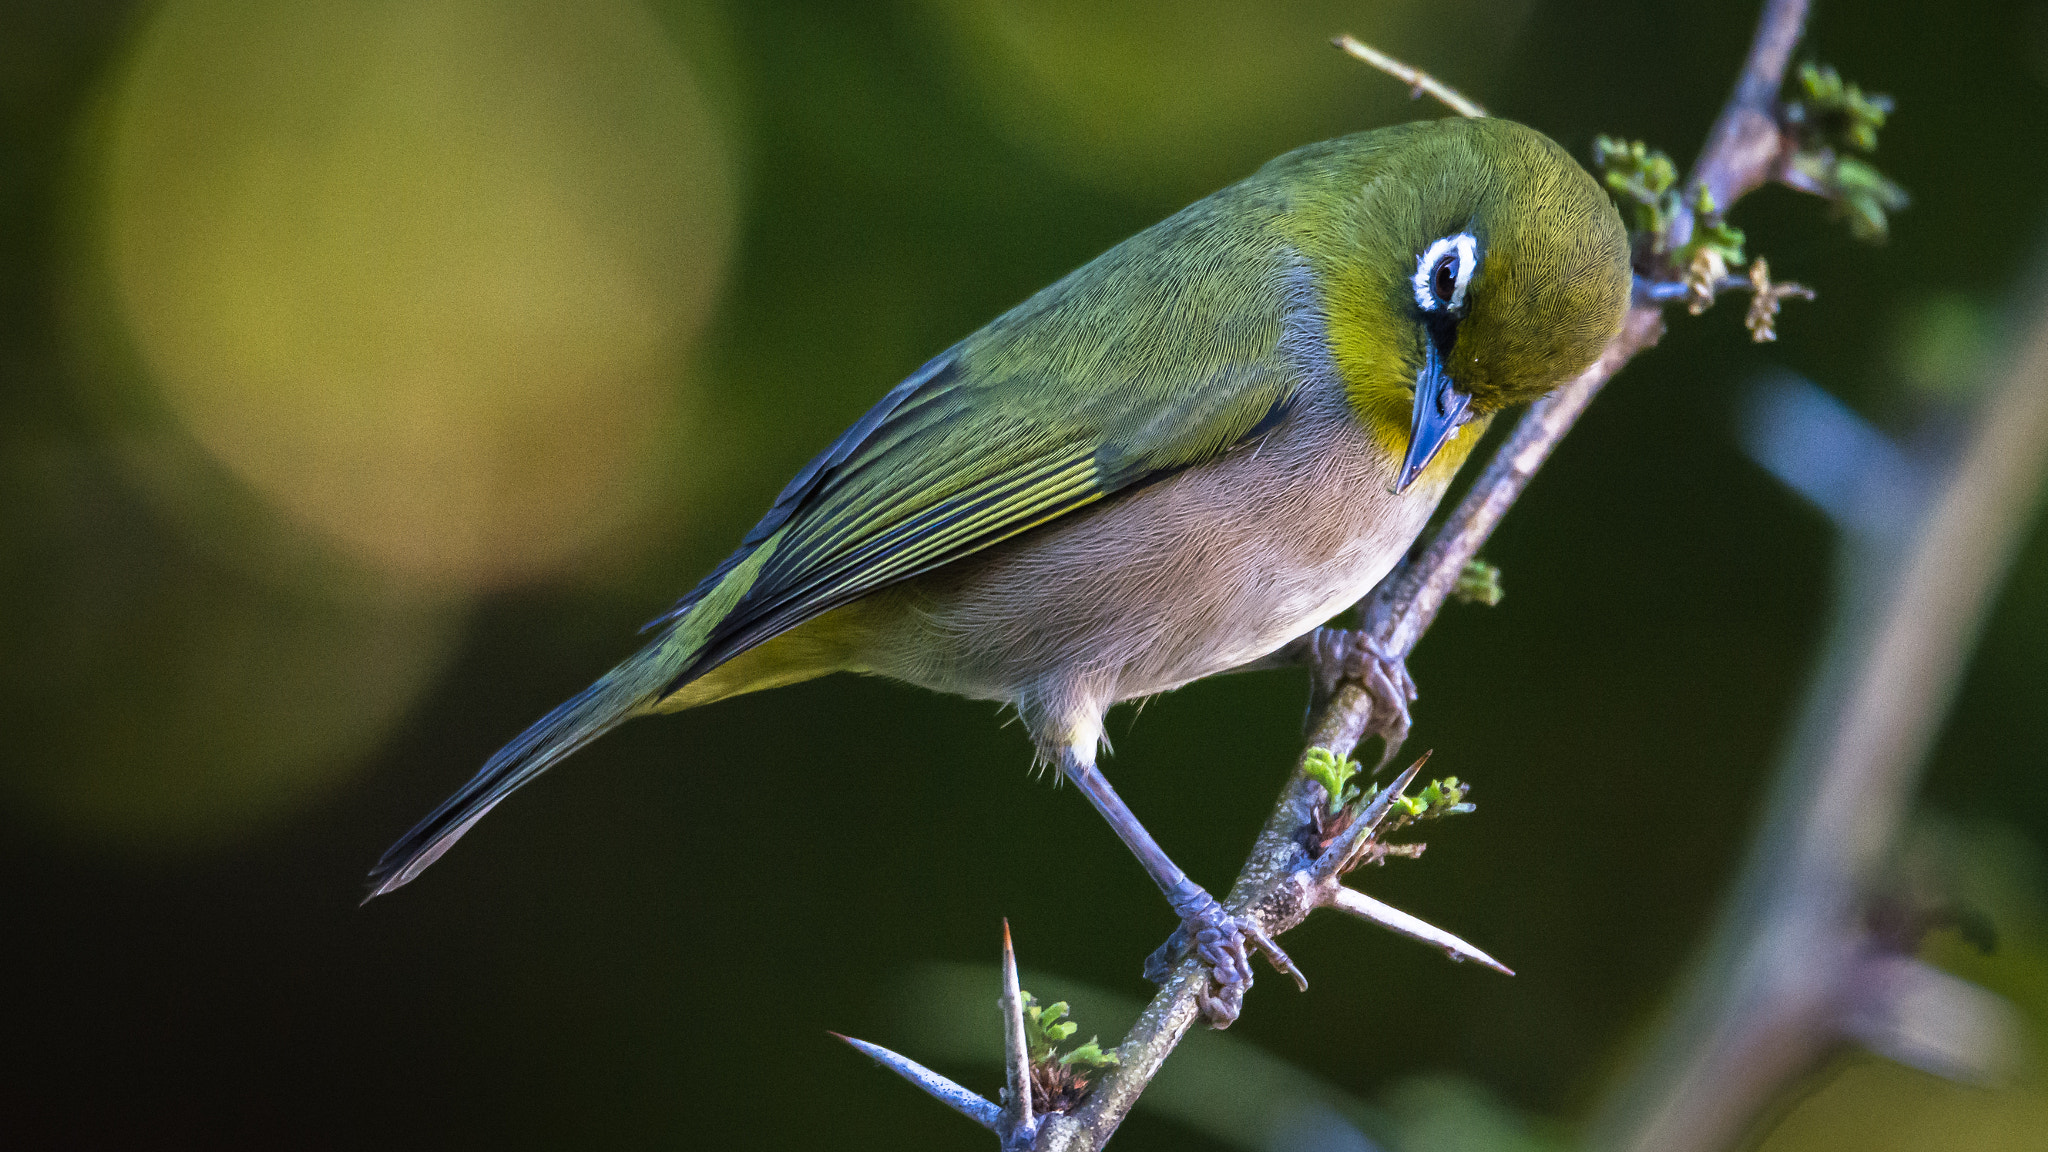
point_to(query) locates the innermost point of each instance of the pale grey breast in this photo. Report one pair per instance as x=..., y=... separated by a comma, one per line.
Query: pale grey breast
x=1197, y=574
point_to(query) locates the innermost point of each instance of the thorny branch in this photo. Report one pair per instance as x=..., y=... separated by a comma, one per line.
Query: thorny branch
x=1407, y=602
x=1290, y=874
x=1803, y=959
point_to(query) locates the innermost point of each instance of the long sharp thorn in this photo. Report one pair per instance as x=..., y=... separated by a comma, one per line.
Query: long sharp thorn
x=977, y=1108
x=1016, y=1050
x=1369, y=820
x=1386, y=916
x=1376, y=811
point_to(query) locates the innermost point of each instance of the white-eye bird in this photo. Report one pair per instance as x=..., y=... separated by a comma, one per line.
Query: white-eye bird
x=1182, y=456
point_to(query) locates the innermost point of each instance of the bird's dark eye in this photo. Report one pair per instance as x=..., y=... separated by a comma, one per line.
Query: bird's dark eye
x=1443, y=273
x=1444, y=281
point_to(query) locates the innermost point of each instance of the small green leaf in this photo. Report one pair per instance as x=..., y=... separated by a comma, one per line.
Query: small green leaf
x=1868, y=198
x=1042, y=1028
x=1046, y=1028
x=1089, y=1055
x=1830, y=118
x=1478, y=583
x=1643, y=179
x=1710, y=233
x=1333, y=772
x=1445, y=797
x=1835, y=113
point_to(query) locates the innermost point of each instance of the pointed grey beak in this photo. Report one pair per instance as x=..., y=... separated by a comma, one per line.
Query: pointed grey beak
x=1439, y=411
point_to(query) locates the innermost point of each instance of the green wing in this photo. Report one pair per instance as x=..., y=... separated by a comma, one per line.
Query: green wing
x=1168, y=351
x=1177, y=345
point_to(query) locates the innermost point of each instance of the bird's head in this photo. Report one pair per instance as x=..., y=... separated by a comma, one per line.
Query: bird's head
x=1480, y=267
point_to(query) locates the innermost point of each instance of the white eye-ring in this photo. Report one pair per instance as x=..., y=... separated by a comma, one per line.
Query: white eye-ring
x=1443, y=272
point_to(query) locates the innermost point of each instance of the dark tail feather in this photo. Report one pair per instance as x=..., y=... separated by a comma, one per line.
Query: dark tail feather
x=622, y=693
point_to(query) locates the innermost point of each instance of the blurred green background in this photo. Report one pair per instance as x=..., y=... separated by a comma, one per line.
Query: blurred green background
x=372, y=369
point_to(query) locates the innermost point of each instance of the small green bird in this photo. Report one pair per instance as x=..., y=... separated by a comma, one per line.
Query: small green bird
x=1179, y=458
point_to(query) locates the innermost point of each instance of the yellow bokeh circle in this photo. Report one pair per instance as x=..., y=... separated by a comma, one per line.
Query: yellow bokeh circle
x=421, y=273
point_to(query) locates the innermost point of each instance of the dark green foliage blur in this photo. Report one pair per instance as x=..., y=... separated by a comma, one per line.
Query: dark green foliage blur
x=647, y=948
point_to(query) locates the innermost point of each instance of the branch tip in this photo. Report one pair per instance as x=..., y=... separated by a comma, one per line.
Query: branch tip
x=1417, y=80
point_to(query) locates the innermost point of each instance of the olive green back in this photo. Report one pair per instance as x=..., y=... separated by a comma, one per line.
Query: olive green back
x=1181, y=342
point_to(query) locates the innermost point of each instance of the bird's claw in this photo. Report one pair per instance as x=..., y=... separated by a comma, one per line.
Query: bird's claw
x=1223, y=943
x=1339, y=654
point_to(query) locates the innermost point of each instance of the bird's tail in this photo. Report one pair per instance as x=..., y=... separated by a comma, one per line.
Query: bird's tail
x=626, y=691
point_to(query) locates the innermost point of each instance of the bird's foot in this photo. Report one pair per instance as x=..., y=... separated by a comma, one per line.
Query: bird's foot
x=1339, y=654
x=1223, y=943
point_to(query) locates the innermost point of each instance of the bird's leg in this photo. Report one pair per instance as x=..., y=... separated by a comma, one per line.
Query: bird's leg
x=1335, y=655
x=1212, y=933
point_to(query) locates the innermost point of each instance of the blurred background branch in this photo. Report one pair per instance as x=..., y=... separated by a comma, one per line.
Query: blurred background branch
x=1796, y=968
